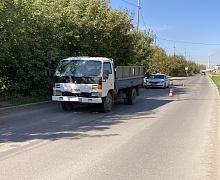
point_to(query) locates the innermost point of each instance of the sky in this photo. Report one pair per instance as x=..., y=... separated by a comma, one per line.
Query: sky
x=187, y=27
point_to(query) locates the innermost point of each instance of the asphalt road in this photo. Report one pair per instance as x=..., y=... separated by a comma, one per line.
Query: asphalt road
x=158, y=138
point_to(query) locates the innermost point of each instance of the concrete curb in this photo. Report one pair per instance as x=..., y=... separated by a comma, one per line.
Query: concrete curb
x=219, y=128
x=219, y=141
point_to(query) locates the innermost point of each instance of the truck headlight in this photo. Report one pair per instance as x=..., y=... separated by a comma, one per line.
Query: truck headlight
x=94, y=87
x=94, y=94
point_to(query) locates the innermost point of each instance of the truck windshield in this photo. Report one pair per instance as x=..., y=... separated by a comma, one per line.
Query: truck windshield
x=79, y=68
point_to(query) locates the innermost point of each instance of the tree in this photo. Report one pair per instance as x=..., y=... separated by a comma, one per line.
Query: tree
x=143, y=51
x=160, y=62
x=36, y=34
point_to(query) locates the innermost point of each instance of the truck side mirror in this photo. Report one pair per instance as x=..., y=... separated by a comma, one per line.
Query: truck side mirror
x=105, y=74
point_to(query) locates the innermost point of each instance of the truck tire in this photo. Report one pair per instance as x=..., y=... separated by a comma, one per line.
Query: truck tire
x=66, y=105
x=132, y=95
x=126, y=98
x=106, y=106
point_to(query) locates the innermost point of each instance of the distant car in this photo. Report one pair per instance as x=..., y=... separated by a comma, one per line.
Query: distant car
x=203, y=73
x=156, y=80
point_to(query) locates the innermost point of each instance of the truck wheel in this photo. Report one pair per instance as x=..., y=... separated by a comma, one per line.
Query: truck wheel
x=106, y=106
x=132, y=94
x=66, y=105
x=126, y=98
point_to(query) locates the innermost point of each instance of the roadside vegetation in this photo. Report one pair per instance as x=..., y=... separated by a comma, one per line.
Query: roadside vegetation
x=35, y=35
x=28, y=100
x=216, y=80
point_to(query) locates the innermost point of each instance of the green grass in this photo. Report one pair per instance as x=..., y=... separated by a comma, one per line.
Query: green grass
x=216, y=80
x=29, y=99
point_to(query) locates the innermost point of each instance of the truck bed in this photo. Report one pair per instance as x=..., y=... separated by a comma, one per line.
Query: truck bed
x=128, y=76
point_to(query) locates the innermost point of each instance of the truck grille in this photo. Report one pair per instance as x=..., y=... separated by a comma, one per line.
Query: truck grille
x=57, y=85
x=88, y=95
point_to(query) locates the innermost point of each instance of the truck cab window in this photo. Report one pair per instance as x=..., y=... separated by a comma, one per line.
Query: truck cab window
x=107, y=67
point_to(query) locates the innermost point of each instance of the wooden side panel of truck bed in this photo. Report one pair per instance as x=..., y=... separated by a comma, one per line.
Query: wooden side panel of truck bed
x=129, y=71
x=128, y=76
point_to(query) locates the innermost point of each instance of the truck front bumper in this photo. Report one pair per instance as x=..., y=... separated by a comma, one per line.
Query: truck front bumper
x=77, y=99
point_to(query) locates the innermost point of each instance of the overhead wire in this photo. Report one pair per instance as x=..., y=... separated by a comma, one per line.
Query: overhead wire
x=130, y=3
x=143, y=20
x=163, y=44
x=158, y=39
x=149, y=28
x=188, y=42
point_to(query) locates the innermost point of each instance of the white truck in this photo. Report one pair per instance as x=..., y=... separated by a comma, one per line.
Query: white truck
x=95, y=80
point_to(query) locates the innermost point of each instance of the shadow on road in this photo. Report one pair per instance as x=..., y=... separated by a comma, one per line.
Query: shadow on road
x=50, y=122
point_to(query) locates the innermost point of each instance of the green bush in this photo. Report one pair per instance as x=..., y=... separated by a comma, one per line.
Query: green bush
x=36, y=35
x=216, y=80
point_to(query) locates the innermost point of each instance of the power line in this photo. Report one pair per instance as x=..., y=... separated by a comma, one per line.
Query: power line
x=177, y=51
x=139, y=8
x=163, y=44
x=185, y=42
x=188, y=42
x=130, y=3
x=143, y=20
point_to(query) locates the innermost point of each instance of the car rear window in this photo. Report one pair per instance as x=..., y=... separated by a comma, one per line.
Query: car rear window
x=159, y=77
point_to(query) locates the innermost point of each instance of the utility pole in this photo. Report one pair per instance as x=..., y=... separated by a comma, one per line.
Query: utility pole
x=209, y=63
x=138, y=14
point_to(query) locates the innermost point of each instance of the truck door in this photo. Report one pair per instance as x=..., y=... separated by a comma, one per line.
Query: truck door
x=108, y=83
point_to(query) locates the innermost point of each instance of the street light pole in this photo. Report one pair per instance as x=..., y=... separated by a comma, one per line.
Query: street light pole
x=209, y=63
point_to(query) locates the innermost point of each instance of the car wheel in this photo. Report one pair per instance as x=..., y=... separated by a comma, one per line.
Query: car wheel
x=164, y=85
